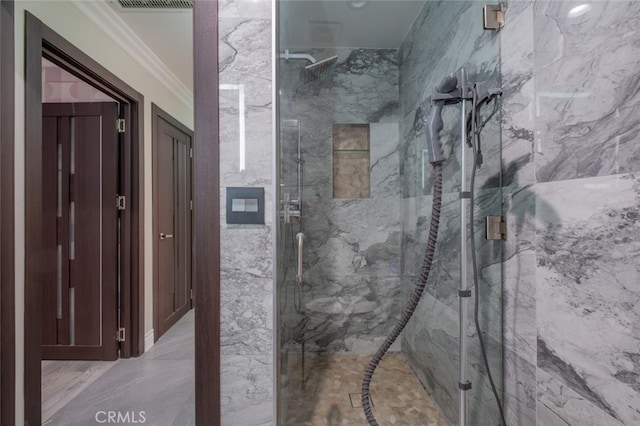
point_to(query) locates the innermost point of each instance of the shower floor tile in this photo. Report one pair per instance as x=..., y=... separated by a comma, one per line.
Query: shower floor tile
x=319, y=394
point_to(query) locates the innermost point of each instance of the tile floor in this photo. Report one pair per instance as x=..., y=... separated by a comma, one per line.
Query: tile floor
x=62, y=381
x=160, y=383
x=319, y=393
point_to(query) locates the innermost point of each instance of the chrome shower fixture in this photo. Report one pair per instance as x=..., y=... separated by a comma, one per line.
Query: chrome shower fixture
x=288, y=55
x=443, y=95
x=453, y=89
x=316, y=69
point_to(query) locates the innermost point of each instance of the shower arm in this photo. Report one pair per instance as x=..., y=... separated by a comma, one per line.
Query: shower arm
x=288, y=55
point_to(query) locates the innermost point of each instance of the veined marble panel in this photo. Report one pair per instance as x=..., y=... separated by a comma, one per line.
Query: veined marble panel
x=245, y=77
x=586, y=89
x=519, y=401
x=519, y=269
x=588, y=296
x=445, y=37
x=430, y=340
x=433, y=352
x=353, y=256
x=247, y=310
x=352, y=246
x=246, y=290
x=444, y=278
x=560, y=405
x=245, y=9
x=245, y=49
x=518, y=108
x=247, y=390
x=362, y=89
x=518, y=174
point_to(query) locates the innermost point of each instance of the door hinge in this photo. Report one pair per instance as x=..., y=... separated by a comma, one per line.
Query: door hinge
x=191, y=204
x=495, y=228
x=120, y=127
x=190, y=152
x=121, y=202
x=120, y=335
x=191, y=294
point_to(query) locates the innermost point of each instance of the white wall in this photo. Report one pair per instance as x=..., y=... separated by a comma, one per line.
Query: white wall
x=72, y=23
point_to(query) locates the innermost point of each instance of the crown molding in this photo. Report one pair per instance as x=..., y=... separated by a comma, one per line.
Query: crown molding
x=104, y=17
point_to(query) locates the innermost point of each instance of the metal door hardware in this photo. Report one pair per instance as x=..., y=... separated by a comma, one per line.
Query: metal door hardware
x=121, y=202
x=493, y=15
x=120, y=126
x=495, y=228
x=300, y=275
x=120, y=335
x=165, y=236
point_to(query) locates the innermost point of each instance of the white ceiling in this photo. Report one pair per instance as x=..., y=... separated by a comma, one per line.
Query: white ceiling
x=381, y=24
x=304, y=23
x=168, y=33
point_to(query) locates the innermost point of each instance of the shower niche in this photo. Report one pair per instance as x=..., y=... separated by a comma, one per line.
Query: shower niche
x=351, y=161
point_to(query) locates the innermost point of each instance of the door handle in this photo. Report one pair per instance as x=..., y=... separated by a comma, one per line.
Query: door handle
x=165, y=236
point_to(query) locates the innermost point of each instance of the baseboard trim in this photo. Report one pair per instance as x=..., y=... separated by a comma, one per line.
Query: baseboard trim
x=149, y=339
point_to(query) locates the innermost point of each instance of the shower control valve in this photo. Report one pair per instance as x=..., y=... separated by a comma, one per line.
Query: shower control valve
x=291, y=209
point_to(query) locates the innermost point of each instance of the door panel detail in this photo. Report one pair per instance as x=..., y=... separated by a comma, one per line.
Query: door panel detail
x=172, y=221
x=80, y=170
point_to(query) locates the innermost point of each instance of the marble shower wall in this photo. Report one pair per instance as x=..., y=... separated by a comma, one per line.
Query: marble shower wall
x=588, y=300
x=246, y=250
x=446, y=36
x=352, y=246
x=570, y=193
x=519, y=255
x=570, y=135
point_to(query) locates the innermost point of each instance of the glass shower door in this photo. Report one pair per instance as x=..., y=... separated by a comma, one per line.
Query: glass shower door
x=446, y=37
x=289, y=298
x=360, y=126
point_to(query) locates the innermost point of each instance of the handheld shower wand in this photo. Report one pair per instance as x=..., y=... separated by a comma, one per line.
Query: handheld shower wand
x=452, y=89
x=434, y=123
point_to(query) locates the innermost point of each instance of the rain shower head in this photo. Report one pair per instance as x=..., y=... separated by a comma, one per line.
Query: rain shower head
x=315, y=70
x=320, y=69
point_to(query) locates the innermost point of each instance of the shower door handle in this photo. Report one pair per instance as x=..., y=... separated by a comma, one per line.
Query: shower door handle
x=300, y=237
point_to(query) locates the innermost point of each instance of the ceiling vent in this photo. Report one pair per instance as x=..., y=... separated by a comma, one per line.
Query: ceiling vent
x=156, y=4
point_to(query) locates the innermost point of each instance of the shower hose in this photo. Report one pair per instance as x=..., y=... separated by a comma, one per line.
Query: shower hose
x=415, y=296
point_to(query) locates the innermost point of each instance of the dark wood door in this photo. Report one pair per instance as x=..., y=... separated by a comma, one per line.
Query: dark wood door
x=172, y=191
x=80, y=169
